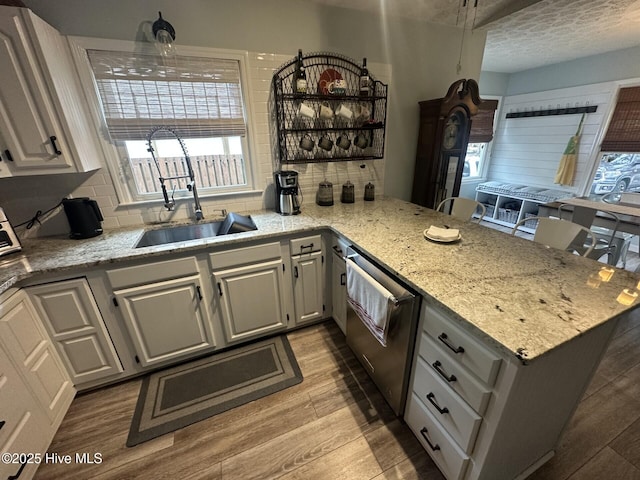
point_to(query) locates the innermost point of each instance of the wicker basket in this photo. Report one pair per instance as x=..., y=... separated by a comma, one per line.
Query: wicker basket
x=506, y=215
x=532, y=224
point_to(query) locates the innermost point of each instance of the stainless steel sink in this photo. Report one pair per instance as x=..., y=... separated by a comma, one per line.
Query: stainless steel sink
x=180, y=233
x=232, y=223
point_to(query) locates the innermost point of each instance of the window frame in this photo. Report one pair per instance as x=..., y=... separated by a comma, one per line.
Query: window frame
x=113, y=153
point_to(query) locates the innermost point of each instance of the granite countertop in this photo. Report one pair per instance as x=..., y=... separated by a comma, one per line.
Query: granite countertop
x=522, y=297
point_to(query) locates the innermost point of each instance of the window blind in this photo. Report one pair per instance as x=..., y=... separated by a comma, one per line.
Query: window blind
x=198, y=97
x=482, y=122
x=623, y=133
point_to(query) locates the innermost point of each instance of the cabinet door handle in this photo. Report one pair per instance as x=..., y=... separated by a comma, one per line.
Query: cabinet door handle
x=18, y=473
x=295, y=272
x=199, y=290
x=424, y=432
x=343, y=279
x=438, y=366
x=56, y=150
x=219, y=289
x=432, y=398
x=445, y=339
x=7, y=154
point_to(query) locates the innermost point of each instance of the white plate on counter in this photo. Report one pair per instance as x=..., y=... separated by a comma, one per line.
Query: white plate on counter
x=440, y=240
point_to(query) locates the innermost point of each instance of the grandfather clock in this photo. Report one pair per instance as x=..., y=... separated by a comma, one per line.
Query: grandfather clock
x=442, y=143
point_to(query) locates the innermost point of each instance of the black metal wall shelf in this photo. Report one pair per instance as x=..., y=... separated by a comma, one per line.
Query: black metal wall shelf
x=553, y=111
x=291, y=127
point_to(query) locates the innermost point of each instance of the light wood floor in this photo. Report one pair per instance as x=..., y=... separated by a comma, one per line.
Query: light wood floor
x=335, y=425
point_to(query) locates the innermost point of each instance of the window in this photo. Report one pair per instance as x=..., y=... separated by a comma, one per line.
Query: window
x=480, y=137
x=619, y=166
x=199, y=97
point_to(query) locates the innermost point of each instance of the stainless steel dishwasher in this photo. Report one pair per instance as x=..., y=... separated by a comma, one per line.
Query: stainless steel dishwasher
x=389, y=366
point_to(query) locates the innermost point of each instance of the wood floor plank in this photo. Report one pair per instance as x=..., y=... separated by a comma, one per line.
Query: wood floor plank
x=623, y=354
x=598, y=420
x=301, y=446
x=627, y=444
x=393, y=443
x=607, y=464
x=352, y=461
x=418, y=467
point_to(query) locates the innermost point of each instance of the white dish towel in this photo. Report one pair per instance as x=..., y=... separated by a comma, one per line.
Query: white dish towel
x=370, y=301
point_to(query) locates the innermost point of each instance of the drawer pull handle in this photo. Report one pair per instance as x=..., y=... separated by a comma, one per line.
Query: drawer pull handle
x=445, y=339
x=310, y=246
x=432, y=398
x=437, y=365
x=337, y=249
x=424, y=432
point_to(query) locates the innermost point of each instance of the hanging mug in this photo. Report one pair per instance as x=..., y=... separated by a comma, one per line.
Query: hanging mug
x=326, y=113
x=306, y=110
x=361, y=141
x=325, y=143
x=343, y=142
x=307, y=143
x=344, y=112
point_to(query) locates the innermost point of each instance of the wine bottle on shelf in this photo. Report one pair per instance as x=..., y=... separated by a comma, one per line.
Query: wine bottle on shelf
x=299, y=77
x=365, y=81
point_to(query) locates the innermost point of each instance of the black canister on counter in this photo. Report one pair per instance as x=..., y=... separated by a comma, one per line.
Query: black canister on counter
x=369, y=192
x=348, y=193
x=324, y=197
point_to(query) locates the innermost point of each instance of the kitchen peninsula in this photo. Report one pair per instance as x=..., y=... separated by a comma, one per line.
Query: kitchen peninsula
x=543, y=316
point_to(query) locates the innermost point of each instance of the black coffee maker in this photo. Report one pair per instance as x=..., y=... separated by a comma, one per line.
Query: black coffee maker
x=84, y=217
x=287, y=190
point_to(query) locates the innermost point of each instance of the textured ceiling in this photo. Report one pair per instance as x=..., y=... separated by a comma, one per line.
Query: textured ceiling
x=523, y=34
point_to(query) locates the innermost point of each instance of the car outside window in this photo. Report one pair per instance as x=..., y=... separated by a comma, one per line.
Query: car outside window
x=617, y=172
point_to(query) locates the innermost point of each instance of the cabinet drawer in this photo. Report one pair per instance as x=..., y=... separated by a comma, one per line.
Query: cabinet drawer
x=451, y=461
x=306, y=244
x=471, y=354
x=152, y=272
x=471, y=390
x=245, y=256
x=459, y=420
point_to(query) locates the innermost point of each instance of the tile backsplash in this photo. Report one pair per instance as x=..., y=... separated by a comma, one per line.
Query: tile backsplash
x=22, y=197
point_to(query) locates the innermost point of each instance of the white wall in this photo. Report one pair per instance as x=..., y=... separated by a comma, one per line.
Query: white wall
x=422, y=58
x=528, y=150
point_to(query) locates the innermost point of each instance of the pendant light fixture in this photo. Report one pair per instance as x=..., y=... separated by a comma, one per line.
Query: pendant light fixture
x=164, y=34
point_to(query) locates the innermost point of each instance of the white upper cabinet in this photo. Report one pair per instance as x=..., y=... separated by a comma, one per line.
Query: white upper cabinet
x=44, y=121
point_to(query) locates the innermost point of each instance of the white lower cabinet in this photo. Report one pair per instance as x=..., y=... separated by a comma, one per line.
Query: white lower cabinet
x=250, y=286
x=35, y=389
x=74, y=323
x=308, y=286
x=485, y=416
x=307, y=262
x=163, y=308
